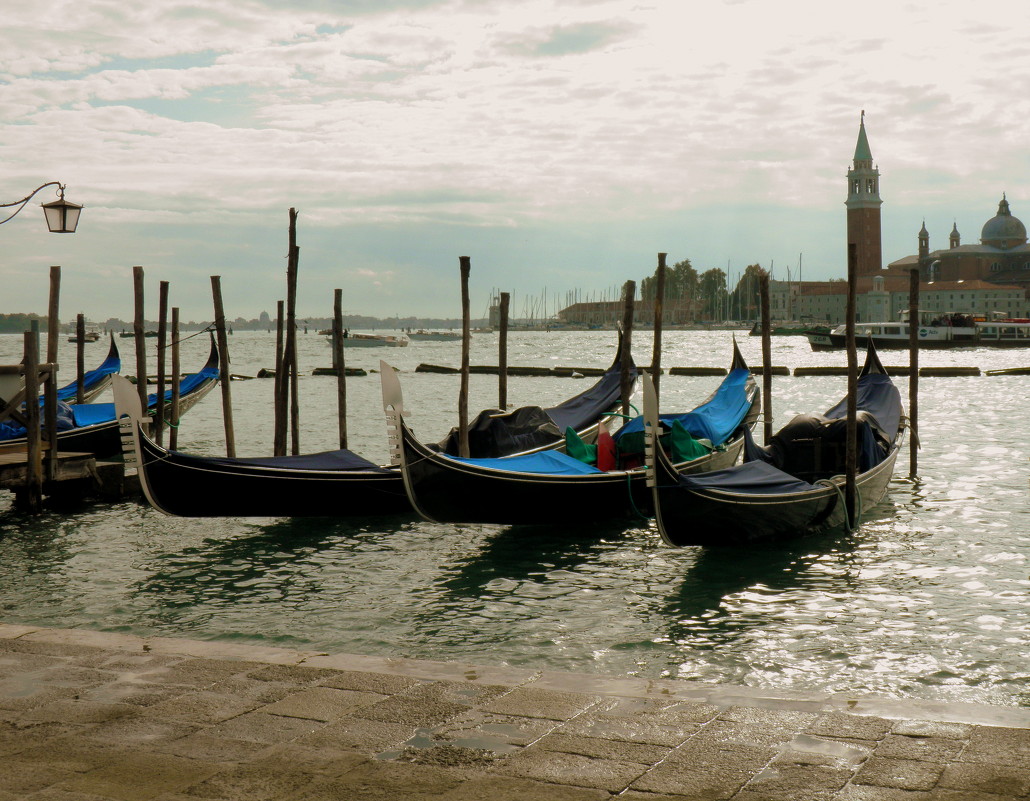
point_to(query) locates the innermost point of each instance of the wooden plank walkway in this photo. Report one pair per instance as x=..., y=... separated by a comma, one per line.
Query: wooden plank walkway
x=70, y=465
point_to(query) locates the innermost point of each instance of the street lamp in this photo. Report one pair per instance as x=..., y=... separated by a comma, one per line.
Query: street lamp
x=61, y=215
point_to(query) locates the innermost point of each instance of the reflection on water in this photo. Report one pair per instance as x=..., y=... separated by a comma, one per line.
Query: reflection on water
x=929, y=598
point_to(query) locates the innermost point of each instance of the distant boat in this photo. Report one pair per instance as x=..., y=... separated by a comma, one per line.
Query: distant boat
x=941, y=332
x=433, y=336
x=371, y=341
x=127, y=334
x=88, y=336
x=789, y=330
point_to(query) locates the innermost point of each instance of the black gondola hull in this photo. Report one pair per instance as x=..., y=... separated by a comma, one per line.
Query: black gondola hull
x=743, y=506
x=191, y=486
x=448, y=490
x=712, y=518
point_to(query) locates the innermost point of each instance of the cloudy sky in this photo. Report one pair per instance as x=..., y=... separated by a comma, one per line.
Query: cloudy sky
x=561, y=144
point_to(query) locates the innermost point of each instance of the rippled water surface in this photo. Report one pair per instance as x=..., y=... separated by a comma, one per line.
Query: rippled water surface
x=929, y=598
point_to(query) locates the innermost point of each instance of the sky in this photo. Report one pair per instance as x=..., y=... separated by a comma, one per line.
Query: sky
x=560, y=144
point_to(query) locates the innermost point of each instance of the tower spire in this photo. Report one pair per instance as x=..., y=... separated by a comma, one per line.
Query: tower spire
x=863, y=205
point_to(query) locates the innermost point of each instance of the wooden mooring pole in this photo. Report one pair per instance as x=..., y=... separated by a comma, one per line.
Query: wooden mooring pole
x=465, y=268
x=291, y=335
x=502, y=353
x=53, y=326
x=173, y=412
x=913, y=374
x=763, y=301
x=80, y=358
x=851, y=454
x=629, y=291
x=279, y=402
x=659, y=313
x=224, y=377
x=162, y=342
x=138, y=334
x=32, y=497
x=340, y=365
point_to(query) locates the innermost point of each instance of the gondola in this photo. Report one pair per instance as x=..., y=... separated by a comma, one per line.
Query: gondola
x=335, y=483
x=93, y=381
x=792, y=487
x=556, y=487
x=93, y=427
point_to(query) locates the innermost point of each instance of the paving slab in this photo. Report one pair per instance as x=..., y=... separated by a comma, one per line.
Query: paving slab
x=94, y=716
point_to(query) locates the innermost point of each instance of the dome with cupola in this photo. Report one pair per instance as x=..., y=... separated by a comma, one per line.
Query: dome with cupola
x=1003, y=230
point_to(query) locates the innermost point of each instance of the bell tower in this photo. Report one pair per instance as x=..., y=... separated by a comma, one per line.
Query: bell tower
x=864, y=207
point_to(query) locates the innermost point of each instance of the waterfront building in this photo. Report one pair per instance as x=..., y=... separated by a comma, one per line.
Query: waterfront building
x=1001, y=257
x=991, y=279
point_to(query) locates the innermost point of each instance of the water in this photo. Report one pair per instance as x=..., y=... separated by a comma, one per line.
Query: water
x=928, y=599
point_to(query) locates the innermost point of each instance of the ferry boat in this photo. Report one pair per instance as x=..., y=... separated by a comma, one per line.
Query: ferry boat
x=935, y=332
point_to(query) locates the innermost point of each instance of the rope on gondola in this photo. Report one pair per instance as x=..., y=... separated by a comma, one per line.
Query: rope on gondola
x=632, y=503
x=848, y=523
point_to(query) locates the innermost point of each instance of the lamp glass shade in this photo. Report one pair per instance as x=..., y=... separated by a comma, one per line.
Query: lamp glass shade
x=62, y=216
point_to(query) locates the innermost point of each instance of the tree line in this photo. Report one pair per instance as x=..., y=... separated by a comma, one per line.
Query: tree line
x=693, y=297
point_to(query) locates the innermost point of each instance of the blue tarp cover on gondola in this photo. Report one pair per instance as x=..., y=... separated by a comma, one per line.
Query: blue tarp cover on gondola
x=110, y=365
x=93, y=413
x=327, y=460
x=65, y=420
x=494, y=433
x=715, y=420
x=878, y=396
x=750, y=478
x=545, y=462
x=583, y=409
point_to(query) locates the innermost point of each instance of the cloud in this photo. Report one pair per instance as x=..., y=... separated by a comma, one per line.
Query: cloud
x=186, y=128
x=564, y=40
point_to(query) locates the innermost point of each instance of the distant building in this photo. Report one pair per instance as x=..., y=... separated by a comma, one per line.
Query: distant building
x=863, y=205
x=1002, y=257
x=988, y=279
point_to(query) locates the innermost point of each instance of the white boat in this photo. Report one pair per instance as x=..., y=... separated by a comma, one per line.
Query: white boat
x=371, y=341
x=433, y=336
x=935, y=332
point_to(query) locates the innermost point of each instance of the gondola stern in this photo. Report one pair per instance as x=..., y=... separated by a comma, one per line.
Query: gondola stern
x=397, y=432
x=738, y=362
x=129, y=415
x=212, y=359
x=872, y=365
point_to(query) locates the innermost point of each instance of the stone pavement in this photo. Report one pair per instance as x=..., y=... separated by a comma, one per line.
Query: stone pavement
x=90, y=716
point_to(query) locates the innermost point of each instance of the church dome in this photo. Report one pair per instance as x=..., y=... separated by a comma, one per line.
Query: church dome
x=1003, y=230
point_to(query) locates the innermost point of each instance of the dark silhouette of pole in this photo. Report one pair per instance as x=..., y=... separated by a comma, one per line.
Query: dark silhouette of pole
x=80, y=358
x=851, y=463
x=465, y=267
x=913, y=371
x=53, y=327
x=659, y=312
x=767, y=413
x=502, y=353
x=278, y=404
x=224, y=377
x=629, y=291
x=341, y=369
x=33, y=494
x=138, y=333
x=162, y=342
x=173, y=411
